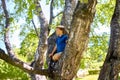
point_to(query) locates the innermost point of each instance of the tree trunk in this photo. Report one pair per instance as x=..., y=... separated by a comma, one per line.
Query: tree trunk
x=78, y=39
x=111, y=66
x=42, y=45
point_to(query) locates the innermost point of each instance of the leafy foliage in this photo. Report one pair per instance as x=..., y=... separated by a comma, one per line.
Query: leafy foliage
x=84, y=1
x=104, y=12
x=22, y=7
x=96, y=52
x=8, y=71
x=29, y=45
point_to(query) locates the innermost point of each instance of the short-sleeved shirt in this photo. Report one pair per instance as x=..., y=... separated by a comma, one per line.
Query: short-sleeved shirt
x=61, y=43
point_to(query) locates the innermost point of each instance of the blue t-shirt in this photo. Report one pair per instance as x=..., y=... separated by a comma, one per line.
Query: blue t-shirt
x=61, y=43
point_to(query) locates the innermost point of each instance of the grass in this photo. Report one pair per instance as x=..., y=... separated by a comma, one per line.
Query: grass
x=89, y=77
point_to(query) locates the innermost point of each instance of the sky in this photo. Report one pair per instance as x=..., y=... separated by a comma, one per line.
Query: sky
x=14, y=38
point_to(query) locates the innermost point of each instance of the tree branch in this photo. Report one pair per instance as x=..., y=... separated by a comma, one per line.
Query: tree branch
x=35, y=28
x=6, y=34
x=20, y=64
x=10, y=58
x=57, y=14
x=43, y=35
x=70, y=6
x=51, y=12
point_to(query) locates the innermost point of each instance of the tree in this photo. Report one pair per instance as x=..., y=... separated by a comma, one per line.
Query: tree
x=77, y=18
x=96, y=52
x=110, y=69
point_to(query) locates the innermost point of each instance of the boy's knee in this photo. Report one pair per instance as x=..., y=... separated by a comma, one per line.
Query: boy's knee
x=55, y=58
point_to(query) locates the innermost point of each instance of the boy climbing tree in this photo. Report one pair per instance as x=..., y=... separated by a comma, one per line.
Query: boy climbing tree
x=58, y=50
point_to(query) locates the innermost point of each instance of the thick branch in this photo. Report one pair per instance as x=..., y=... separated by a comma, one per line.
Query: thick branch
x=43, y=35
x=68, y=14
x=20, y=64
x=6, y=34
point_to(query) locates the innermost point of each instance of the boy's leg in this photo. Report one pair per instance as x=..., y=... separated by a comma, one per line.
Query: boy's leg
x=57, y=56
x=54, y=59
x=51, y=63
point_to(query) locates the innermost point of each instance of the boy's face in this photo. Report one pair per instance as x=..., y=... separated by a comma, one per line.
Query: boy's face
x=58, y=31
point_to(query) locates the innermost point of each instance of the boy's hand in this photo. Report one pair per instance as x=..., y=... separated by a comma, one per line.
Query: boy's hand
x=50, y=54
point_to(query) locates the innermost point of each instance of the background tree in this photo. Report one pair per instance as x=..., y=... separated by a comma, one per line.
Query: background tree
x=110, y=69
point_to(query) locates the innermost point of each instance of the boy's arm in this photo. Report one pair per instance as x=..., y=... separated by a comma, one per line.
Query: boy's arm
x=54, y=50
x=66, y=38
x=51, y=54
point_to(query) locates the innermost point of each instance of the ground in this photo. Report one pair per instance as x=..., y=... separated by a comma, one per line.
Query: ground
x=89, y=77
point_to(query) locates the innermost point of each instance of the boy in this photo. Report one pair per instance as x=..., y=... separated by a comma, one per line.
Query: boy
x=61, y=42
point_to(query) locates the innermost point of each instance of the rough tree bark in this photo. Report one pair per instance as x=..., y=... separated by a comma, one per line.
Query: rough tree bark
x=70, y=6
x=111, y=66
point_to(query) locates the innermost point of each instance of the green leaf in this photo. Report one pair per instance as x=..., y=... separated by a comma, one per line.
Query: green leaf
x=84, y=1
x=11, y=19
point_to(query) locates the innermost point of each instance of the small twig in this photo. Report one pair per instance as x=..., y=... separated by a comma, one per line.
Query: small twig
x=35, y=28
x=57, y=14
